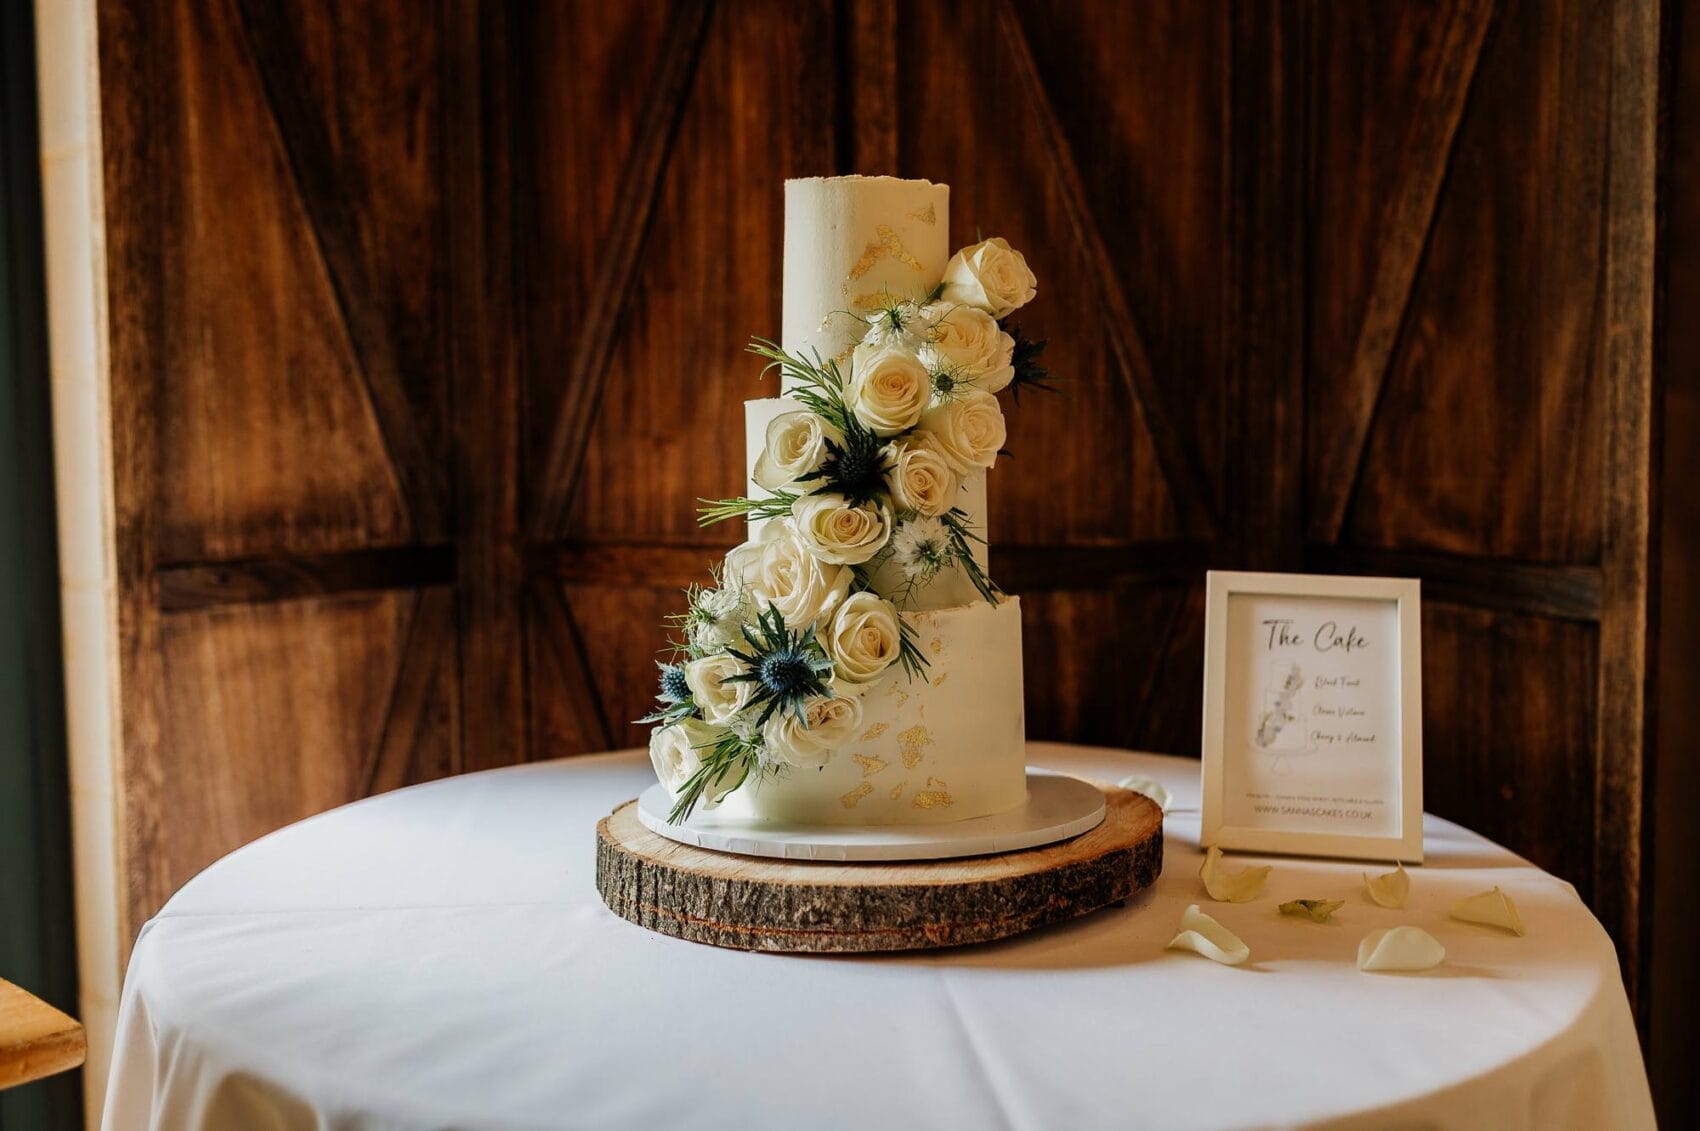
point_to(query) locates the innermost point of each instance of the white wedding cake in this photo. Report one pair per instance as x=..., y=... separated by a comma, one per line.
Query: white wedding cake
x=853, y=663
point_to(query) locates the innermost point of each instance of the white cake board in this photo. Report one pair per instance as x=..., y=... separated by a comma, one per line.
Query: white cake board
x=1058, y=807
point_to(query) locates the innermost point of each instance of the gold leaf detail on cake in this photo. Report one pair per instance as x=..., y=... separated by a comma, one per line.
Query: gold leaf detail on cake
x=887, y=245
x=933, y=799
x=939, y=682
x=925, y=215
x=935, y=646
x=850, y=799
x=937, y=783
x=912, y=744
x=897, y=790
x=875, y=731
x=870, y=766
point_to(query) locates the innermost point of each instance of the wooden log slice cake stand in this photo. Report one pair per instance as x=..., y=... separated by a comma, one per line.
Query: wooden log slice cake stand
x=753, y=903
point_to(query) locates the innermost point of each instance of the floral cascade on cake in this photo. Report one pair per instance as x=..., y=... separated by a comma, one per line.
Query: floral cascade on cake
x=853, y=662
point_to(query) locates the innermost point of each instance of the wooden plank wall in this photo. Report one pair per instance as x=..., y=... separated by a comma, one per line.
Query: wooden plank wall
x=426, y=332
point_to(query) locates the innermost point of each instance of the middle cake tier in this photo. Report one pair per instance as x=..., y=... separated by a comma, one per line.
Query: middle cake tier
x=951, y=587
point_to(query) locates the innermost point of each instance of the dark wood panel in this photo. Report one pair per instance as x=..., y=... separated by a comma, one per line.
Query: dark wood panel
x=268, y=711
x=1508, y=744
x=1443, y=72
x=267, y=440
x=1489, y=434
x=1085, y=466
x=618, y=250
x=670, y=425
x=372, y=196
x=1140, y=90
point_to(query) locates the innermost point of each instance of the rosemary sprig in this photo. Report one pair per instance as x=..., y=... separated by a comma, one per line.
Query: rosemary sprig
x=727, y=763
x=956, y=522
x=776, y=505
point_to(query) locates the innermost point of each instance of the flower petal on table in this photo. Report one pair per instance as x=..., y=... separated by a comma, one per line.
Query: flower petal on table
x=1239, y=887
x=1203, y=935
x=1389, y=889
x=1316, y=910
x=1150, y=787
x=1396, y=949
x=1493, y=908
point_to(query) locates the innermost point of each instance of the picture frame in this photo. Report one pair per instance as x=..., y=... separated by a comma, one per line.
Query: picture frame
x=1313, y=715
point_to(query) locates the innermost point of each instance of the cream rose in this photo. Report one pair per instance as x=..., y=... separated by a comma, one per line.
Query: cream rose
x=796, y=445
x=968, y=344
x=780, y=569
x=921, y=479
x=865, y=638
x=992, y=276
x=837, y=532
x=968, y=429
x=828, y=724
x=889, y=389
x=707, y=679
x=676, y=751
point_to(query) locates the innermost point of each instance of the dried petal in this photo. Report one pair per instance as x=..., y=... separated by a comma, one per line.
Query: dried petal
x=1399, y=949
x=1492, y=907
x=1390, y=889
x=1240, y=887
x=1150, y=787
x=1203, y=935
x=1317, y=910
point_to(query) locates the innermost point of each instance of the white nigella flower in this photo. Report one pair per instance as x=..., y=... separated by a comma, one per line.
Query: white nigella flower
x=714, y=617
x=744, y=725
x=922, y=547
x=901, y=323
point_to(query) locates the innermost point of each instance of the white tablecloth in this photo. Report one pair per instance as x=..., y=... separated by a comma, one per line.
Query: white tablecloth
x=438, y=957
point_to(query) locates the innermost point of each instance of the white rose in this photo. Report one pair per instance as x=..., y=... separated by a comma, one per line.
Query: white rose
x=967, y=343
x=837, y=532
x=828, y=725
x=992, y=276
x=781, y=570
x=889, y=389
x=968, y=429
x=707, y=679
x=796, y=446
x=676, y=751
x=864, y=640
x=921, y=478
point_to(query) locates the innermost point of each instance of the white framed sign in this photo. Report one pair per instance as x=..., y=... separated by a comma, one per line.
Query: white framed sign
x=1313, y=715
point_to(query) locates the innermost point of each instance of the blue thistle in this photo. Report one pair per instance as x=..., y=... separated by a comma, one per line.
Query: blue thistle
x=674, y=695
x=674, y=689
x=856, y=468
x=787, y=668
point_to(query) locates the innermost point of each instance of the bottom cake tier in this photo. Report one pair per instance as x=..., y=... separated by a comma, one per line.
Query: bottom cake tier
x=945, y=747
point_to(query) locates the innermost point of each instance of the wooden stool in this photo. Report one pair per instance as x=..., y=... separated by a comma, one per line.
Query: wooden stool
x=36, y=1040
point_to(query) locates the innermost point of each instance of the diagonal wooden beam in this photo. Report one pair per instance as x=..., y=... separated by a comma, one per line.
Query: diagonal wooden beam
x=587, y=370
x=1410, y=226
x=561, y=635
x=430, y=636
x=1177, y=455
x=321, y=184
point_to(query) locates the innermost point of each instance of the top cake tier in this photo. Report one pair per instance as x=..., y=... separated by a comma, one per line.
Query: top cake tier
x=849, y=242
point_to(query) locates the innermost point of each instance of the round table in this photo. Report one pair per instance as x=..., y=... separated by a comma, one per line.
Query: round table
x=438, y=957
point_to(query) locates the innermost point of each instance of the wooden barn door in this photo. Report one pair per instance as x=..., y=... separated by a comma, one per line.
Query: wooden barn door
x=426, y=330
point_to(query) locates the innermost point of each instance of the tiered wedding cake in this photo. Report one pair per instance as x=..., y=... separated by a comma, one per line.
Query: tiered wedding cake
x=853, y=663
